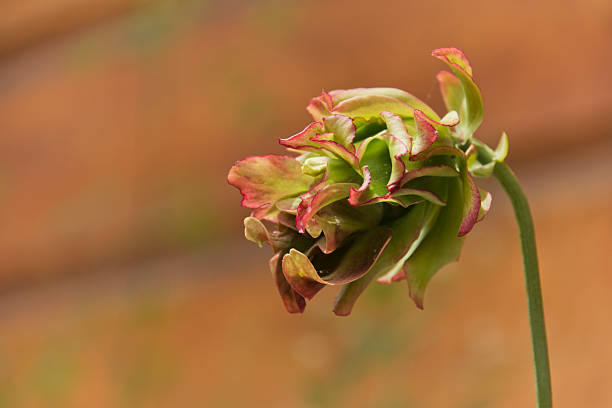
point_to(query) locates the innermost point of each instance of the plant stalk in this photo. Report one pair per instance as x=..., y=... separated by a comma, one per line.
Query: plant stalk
x=510, y=184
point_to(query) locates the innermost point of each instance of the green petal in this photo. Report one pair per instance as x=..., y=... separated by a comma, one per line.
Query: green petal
x=440, y=247
x=474, y=112
x=339, y=220
x=408, y=232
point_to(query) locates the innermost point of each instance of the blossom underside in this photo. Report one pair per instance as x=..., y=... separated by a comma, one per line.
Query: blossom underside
x=381, y=188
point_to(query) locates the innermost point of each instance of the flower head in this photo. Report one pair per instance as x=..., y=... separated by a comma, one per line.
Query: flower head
x=378, y=186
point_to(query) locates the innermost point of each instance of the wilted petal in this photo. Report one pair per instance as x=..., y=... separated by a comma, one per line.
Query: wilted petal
x=265, y=180
x=341, y=266
x=293, y=301
x=255, y=231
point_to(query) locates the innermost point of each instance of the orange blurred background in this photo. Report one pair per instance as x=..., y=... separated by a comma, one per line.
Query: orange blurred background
x=125, y=280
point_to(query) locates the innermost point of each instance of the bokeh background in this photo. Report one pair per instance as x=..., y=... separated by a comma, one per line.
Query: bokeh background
x=124, y=277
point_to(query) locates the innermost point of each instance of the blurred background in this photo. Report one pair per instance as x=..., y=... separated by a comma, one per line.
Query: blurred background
x=125, y=280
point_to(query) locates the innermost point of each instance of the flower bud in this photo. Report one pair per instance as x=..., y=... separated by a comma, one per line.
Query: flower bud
x=379, y=186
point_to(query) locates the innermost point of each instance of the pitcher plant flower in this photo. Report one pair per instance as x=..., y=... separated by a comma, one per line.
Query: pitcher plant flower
x=378, y=187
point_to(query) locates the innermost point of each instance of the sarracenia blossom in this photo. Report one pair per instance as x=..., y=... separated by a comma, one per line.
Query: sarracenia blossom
x=379, y=186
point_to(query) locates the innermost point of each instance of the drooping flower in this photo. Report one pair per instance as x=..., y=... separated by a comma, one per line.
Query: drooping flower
x=378, y=186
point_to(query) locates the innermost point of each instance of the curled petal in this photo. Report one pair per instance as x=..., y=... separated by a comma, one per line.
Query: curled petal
x=452, y=91
x=441, y=170
x=426, y=134
x=341, y=95
x=314, y=138
x=368, y=106
x=460, y=66
x=343, y=130
x=320, y=106
x=397, y=127
x=471, y=202
x=323, y=197
x=265, y=180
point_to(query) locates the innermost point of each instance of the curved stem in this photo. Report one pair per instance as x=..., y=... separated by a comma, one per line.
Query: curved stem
x=509, y=182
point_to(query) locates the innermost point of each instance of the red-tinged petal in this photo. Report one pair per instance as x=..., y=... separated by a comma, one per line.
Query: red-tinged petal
x=309, y=274
x=343, y=130
x=320, y=106
x=323, y=197
x=266, y=212
x=265, y=180
x=396, y=126
x=440, y=247
x=369, y=106
x=441, y=170
x=452, y=55
x=485, y=204
x=341, y=95
x=293, y=302
x=426, y=134
x=362, y=195
x=452, y=91
x=408, y=231
x=382, y=154
x=314, y=138
x=302, y=140
x=460, y=66
x=337, y=149
x=471, y=203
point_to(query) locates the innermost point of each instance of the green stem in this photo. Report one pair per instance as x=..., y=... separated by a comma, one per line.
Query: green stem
x=509, y=182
